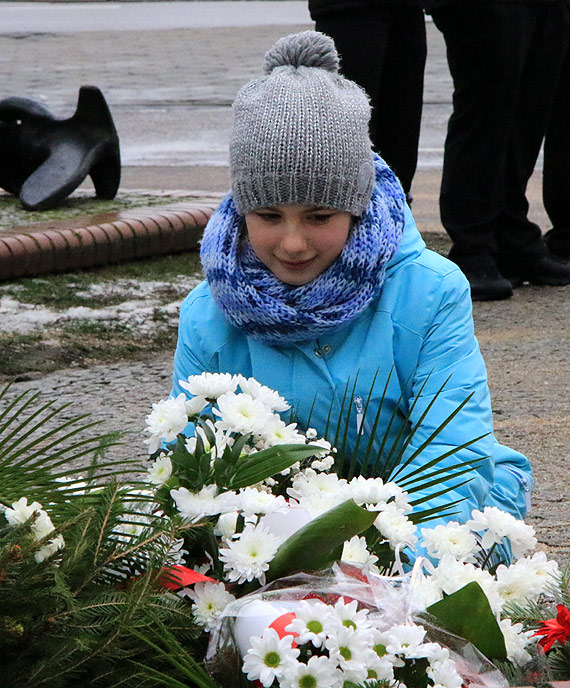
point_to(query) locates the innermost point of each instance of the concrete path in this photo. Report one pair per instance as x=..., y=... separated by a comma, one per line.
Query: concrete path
x=68, y=17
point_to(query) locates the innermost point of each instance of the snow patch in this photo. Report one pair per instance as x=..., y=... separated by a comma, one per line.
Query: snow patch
x=143, y=309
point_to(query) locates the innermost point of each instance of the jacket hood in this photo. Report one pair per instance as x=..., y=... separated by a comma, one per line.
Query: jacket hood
x=411, y=245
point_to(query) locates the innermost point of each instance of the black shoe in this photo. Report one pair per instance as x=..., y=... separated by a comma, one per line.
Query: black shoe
x=558, y=242
x=548, y=270
x=487, y=283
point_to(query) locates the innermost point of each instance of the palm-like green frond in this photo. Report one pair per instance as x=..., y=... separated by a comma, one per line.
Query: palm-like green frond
x=387, y=452
x=40, y=446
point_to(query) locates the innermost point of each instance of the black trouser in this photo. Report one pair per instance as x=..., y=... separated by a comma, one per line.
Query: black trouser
x=383, y=49
x=504, y=60
x=556, y=169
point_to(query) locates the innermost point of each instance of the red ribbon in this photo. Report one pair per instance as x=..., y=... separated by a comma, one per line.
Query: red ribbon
x=176, y=577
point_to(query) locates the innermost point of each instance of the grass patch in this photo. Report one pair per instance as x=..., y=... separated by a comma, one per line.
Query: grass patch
x=66, y=290
x=129, y=334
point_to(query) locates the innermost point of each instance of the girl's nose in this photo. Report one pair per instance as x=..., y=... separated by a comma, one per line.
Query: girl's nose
x=293, y=240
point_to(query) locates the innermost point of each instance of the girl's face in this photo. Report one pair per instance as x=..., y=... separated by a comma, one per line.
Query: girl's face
x=297, y=242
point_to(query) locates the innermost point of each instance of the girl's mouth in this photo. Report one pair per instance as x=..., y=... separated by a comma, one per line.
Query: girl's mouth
x=296, y=265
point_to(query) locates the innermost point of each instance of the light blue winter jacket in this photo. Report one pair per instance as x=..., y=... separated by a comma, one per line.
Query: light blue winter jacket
x=420, y=328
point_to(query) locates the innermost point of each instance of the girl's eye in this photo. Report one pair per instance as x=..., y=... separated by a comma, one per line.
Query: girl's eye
x=320, y=219
x=268, y=217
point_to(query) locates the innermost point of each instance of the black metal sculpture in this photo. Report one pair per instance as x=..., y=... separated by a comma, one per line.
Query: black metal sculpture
x=44, y=159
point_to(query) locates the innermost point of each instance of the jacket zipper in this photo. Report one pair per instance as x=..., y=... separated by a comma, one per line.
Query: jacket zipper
x=524, y=483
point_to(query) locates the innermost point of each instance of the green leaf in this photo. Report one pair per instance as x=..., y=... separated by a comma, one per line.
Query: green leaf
x=467, y=613
x=261, y=465
x=319, y=543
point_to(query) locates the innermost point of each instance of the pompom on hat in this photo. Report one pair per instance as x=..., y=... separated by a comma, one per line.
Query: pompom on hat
x=300, y=134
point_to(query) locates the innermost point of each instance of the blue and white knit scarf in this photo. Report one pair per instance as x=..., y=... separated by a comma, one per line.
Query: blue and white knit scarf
x=254, y=300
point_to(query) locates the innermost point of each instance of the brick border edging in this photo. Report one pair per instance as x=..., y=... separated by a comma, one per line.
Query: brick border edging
x=138, y=233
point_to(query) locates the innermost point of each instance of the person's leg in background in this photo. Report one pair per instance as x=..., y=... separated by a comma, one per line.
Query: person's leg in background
x=486, y=51
x=523, y=255
x=383, y=49
x=397, y=113
x=556, y=167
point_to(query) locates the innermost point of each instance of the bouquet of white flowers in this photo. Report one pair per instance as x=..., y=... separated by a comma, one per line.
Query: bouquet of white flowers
x=270, y=504
x=341, y=628
x=248, y=550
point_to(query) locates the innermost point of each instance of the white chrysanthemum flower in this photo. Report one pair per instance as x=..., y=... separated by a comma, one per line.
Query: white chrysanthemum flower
x=395, y=526
x=355, y=551
x=254, y=501
x=160, y=471
x=309, y=483
x=293, y=468
x=241, y=413
x=378, y=668
x=311, y=434
x=544, y=568
x=195, y=505
x=210, y=385
x=404, y=640
x=496, y=524
x=49, y=549
x=269, y=657
x=348, y=648
x=130, y=526
x=348, y=615
x=42, y=526
x=319, y=503
x=226, y=525
x=452, y=538
x=167, y=419
x=248, y=556
x=323, y=464
x=434, y=652
x=210, y=600
x=516, y=641
x=318, y=672
x=376, y=493
x=444, y=674
x=526, y=579
x=522, y=538
x=311, y=621
x=222, y=439
x=268, y=397
x=176, y=552
x=276, y=431
x=21, y=511
x=195, y=405
x=451, y=575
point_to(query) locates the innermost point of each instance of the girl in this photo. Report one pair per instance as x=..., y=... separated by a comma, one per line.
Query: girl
x=318, y=282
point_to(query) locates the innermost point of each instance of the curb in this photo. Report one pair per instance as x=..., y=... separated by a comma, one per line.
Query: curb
x=111, y=238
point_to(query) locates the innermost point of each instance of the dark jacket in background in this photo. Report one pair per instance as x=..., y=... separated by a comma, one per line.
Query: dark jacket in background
x=318, y=8
x=430, y=5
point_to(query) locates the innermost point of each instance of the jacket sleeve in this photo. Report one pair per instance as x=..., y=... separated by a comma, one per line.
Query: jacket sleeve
x=451, y=371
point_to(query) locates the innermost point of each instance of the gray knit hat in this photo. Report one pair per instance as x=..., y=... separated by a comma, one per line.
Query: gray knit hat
x=300, y=134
